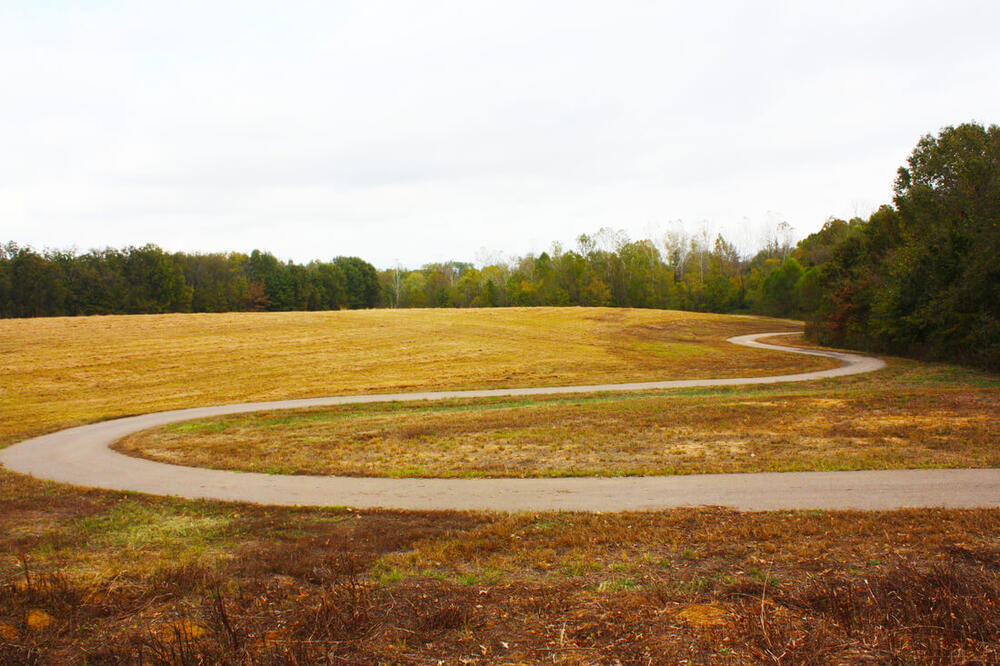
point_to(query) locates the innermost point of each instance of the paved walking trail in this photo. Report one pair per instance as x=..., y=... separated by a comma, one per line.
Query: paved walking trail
x=82, y=456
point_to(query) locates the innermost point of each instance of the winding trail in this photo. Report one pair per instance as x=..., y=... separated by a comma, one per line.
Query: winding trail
x=82, y=456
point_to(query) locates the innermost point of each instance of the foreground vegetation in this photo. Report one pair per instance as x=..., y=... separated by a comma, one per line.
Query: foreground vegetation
x=910, y=415
x=106, y=577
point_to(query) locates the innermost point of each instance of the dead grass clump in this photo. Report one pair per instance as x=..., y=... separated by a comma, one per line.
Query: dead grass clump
x=948, y=613
x=298, y=586
x=268, y=608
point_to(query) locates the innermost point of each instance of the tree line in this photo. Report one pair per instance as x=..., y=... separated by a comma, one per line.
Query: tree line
x=604, y=269
x=920, y=277
x=607, y=268
x=144, y=280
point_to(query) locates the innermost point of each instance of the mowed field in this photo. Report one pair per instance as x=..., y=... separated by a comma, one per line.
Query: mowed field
x=71, y=370
x=101, y=577
x=910, y=415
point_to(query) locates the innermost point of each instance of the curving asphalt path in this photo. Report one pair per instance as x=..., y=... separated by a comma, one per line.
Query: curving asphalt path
x=82, y=456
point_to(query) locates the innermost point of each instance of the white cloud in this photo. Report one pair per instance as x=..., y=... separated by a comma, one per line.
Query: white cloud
x=426, y=131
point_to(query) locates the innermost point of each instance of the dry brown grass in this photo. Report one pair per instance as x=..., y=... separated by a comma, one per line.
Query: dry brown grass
x=59, y=372
x=119, y=578
x=102, y=577
x=910, y=415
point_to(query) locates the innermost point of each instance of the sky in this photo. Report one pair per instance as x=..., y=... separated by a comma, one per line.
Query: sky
x=413, y=132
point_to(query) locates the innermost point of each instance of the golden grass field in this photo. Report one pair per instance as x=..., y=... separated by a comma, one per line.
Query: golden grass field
x=66, y=371
x=91, y=576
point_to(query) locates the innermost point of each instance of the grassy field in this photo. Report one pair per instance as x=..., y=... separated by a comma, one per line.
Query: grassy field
x=67, y=371
x=909, y=415
x=107, y=577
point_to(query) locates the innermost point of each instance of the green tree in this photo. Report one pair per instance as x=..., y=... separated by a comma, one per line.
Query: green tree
x=361, y=279
x=596, y=293
x=923, y=278
x=412, y=293
x=36, y=288
x=778, y=295
x=155, y=282
x=264, y=269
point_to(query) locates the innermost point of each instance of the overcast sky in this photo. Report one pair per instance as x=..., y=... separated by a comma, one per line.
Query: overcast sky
x=425, y=131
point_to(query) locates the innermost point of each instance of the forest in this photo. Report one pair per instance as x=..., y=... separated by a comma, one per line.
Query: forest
x=919, y=277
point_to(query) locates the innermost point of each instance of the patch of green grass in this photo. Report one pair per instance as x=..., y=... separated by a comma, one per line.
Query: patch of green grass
x=385, y=574
x=406, y=472
x=617, y=585
x=136, y=526
x=765, y=577
x=479, y=579
x=577, y=566
x=546, y=525
x=205, y=426
x=278, y=469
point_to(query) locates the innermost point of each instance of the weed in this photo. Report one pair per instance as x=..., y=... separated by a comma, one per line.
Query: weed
x=617, y=585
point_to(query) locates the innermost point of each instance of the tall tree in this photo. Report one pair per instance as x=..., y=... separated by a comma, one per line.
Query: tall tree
x=923, y=278
x=363, y=289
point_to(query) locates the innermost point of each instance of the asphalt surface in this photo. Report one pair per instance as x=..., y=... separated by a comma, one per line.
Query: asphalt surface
x=82, y=456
